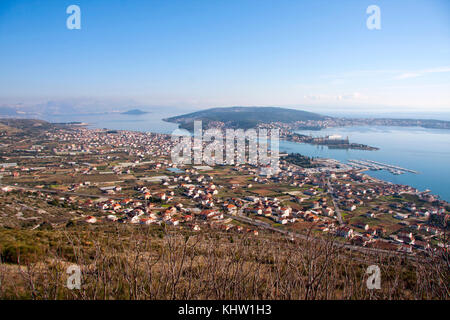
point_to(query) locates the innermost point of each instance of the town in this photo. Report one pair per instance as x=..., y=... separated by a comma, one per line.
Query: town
x=100, y=176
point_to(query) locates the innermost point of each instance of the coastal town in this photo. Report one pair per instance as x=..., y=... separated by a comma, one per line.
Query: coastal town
x=70, y=174
x=330, y=122
x=224, y=159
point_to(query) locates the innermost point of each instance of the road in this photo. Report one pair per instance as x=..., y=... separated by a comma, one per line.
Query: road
x=292, y=234
x=336, y=207
x=241, y=218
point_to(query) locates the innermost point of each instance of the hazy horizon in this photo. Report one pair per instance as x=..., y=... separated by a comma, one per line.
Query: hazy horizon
x=43, y=112
x=316, y=56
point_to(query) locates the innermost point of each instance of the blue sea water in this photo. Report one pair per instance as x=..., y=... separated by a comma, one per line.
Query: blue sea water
x=419, y=149
x=148, y=122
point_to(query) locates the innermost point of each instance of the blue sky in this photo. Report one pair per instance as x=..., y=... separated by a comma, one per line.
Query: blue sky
x=202, y=53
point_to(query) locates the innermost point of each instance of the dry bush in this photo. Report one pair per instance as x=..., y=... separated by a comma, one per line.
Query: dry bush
x=141, y=263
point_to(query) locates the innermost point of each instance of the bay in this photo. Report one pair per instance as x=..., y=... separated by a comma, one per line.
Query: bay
x=148, y=122
x=419, y=149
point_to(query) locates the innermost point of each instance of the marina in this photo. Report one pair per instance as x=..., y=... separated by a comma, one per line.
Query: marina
x=375, y=166
x=421, y=149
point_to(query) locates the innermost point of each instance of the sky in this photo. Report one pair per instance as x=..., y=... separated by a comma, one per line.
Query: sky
x=312, y=55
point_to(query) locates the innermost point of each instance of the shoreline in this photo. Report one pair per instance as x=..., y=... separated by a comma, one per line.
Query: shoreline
x=383, y=181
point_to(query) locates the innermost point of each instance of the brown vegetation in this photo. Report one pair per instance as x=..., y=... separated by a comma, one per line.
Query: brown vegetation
x=132, y=262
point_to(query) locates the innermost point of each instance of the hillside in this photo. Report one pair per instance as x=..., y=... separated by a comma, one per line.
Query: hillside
x=13, y=126
x=25, y=127
x=245, y=117
x=122, y=262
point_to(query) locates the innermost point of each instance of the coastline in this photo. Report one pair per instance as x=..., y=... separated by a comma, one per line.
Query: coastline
x=297, y=143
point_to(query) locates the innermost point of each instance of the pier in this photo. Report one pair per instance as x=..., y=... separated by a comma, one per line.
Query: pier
x=393, y=167
x=375, y=165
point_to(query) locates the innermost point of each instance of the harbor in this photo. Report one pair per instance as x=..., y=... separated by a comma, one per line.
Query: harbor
x=375, y=166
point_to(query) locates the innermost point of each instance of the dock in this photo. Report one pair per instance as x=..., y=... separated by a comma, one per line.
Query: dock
x=393, y=167
x=375, y=165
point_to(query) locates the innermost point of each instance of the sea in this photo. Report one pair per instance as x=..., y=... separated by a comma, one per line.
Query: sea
x=424, y=150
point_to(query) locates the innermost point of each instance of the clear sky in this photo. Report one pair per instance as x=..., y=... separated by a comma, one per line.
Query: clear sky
x=205, y=53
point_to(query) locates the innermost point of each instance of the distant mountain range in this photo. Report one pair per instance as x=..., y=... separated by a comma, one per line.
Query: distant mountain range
x=245, y=117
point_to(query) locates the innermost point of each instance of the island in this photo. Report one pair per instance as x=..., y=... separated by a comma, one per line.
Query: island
x=286, y=120
x=291, y=119
x=244, y=117
x=134, y=112
x=332, y=142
